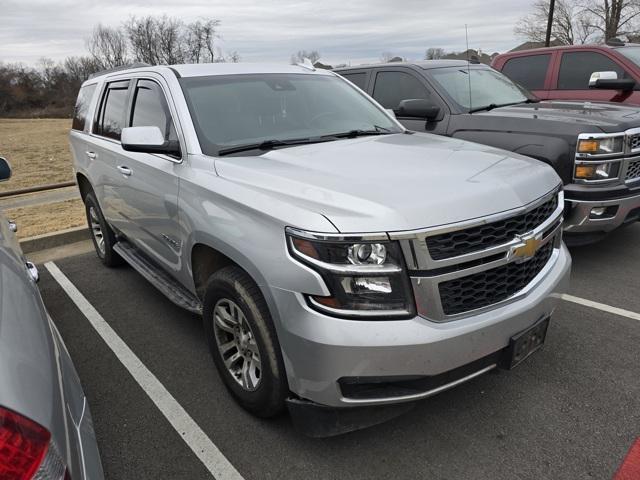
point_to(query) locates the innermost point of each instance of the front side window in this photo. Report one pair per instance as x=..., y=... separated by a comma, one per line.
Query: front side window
x=234, y=110
x=393, y=87
x=111, y=118
x=81, y=110
x=576, y=69
x=477, y=88
x=529, y=71
x=150, y=109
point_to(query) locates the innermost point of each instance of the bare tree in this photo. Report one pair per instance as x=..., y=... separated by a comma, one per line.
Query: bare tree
x=201, y=36
x=108, y=46
x=385, y=57
x=614, y=18
x=581, y=21
x=434, y=53
x=300, y=55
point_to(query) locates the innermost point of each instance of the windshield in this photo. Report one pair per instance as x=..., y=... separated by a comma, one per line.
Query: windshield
x=488, y=87
x=234, y=110
x=632, y=53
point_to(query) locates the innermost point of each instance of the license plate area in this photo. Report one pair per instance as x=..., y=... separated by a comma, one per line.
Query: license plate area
x=525, y=343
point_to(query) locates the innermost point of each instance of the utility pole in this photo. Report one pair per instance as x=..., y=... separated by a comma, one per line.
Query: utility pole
x=552, y=4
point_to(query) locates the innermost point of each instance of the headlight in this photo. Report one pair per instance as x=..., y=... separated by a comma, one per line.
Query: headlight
x=596, y=171
x=601, y=146
x=366, y=278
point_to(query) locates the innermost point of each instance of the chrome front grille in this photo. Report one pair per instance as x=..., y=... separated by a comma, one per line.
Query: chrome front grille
x=634, y=142
x=461, y=242
x=481, y=264
x=633, y=171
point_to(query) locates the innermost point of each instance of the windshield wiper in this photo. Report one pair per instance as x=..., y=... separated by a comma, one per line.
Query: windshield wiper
x=360, y=133
x=268, y=145
x=491, y=106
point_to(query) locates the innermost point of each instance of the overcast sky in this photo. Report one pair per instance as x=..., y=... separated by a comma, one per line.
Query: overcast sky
x=354, y=31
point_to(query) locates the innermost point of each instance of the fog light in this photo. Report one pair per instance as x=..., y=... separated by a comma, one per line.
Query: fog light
x=598, y=211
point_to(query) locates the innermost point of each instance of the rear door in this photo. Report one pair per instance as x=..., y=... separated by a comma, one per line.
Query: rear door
x=147, y=193
x=533, y=72
x=104, y=152
x=574, y=68
x=392, y=85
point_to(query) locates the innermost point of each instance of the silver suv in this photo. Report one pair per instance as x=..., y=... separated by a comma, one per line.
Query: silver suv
x=338, y=259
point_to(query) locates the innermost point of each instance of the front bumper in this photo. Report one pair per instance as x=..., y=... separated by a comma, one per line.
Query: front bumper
x=319, y=350
x=579, y=218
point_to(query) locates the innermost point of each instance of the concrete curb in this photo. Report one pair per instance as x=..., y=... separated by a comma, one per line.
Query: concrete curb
x=55, y=239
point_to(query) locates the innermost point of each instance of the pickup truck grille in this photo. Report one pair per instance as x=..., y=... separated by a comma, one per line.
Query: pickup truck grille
x=461, y=242
x=491, y=286
x=633, y=172
x=634, y=142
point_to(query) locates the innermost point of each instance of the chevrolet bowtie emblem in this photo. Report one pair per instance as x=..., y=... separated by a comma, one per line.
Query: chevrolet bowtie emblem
x=527, y=248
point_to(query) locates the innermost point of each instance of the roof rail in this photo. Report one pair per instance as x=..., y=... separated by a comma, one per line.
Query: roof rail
x=117, y=69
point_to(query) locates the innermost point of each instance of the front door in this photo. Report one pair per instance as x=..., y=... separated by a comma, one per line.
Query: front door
x=148, y=191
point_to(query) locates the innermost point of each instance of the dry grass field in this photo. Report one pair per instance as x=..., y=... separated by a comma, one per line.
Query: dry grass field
x=38, y=151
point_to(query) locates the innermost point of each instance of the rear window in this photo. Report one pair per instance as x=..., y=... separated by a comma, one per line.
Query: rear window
x=81, y=111
x=529, y=71
x=112, y=116
x=358, y=79
x=576, y=69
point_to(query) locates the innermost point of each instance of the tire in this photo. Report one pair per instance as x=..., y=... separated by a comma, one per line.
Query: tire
x=101, y=233
x=237, y=324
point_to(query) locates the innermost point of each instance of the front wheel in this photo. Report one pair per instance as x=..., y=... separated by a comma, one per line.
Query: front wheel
x=243, y=342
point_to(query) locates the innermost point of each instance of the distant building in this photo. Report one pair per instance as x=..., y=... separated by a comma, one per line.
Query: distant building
x=470, y=54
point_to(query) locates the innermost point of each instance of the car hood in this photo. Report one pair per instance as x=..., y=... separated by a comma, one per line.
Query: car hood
x=393, y=182
x=607, y=117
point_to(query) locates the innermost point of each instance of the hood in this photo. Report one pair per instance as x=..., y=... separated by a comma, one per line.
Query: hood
x=607, y=117
x=393, y=182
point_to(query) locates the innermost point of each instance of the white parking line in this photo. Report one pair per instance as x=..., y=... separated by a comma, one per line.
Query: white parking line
x=189, y=431
x=601, y=306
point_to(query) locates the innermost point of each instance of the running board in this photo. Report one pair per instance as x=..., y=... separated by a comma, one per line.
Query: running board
x=173, y=290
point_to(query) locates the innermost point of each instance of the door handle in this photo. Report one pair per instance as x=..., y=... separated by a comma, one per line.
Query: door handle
x=91, y=155
x=124, y=170
x=13, y=226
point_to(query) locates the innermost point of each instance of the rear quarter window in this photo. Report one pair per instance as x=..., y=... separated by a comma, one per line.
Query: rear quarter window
x=529, y=71
x=81, y=110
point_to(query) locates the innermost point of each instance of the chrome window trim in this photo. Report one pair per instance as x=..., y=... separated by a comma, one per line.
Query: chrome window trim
x=338, y=237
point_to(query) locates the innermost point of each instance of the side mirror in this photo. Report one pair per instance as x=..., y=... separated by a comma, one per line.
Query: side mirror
x=147, y=140
x=418, y=108
x=5, y=169
x=610, y=81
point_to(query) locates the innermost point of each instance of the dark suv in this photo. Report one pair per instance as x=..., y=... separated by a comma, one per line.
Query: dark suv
x=594, y=146
x=560, y=73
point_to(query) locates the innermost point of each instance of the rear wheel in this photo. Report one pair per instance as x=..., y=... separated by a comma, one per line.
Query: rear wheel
x=101, y=233
x=243, y=342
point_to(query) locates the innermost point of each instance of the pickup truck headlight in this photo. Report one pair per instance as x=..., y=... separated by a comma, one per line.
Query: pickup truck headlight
x=367, y=279
x=596, y=171
x=601, y=146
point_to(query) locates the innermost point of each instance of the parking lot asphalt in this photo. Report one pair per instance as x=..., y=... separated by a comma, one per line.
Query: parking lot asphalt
x=571, y=410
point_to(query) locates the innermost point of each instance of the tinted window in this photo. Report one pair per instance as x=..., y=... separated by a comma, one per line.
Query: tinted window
x=576, y=69
x=150, y=109
x=230, y=110
x=393, y=87
x=82, y=107
x=529, y=71
x=358, y=79
x=111, y=118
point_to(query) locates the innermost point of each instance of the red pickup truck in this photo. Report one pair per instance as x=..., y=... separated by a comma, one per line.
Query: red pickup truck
x=567, y=73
